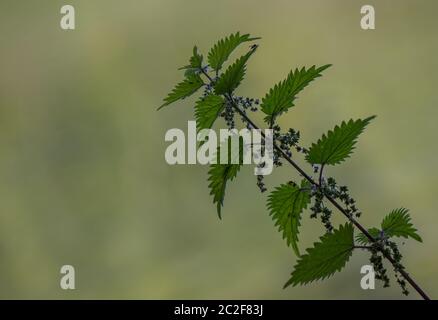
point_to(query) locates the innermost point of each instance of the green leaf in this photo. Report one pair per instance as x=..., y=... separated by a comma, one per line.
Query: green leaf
x=338, y=144
x=196, y=59
x=232, y=77
x=398, y=224
x=363, y=239
x=220, y=174
x=183, y=89
x=222, y=50
x=286, y=203
x=325, y=258
x=207, y=110
x=281, y=97
x=194, y=65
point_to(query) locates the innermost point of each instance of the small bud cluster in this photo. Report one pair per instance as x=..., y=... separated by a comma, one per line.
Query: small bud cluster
x=384, y=247
x=390, y=248
x=228, y=115
x=397, y=257
x=208, y=90
x=261, y=183
x=247, y=103
x=318, y=208
x=302, y=150
x=287, y=141
x=331, y=189
x=376, y=260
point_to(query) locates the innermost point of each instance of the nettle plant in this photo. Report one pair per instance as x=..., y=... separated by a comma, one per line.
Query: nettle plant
x=320, y=194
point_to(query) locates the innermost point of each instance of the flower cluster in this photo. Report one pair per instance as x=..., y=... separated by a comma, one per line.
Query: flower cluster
x=376, y=260
x=390, y=249
x=319, y=208
x=331, y=189
x=247, y=103
x=228, y=115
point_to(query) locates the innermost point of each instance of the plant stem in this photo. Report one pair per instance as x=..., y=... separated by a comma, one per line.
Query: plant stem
x=206, y=74
x=363, y=247
x=332, y=201
x=320, y=174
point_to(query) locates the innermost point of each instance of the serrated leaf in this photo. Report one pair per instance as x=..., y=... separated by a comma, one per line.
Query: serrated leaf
x=195, y=60
x=286, y=203
x=194, y=65
x=222, y=50
x=281, y=97
x=219, y=174
x=183, y=89
x=232, y=77
x=325, y=258
x=338, y=144
x=363, y=239
x=398, y=224
x=207, y=110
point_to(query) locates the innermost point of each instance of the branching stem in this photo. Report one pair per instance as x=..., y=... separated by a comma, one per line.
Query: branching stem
x=338, y=206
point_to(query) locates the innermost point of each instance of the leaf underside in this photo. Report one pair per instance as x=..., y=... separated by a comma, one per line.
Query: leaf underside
x=286, y=203
x=338, y=144
x=219, y=174
x=325, y=258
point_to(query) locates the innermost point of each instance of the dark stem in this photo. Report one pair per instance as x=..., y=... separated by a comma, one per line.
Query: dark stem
x=329, y=198
x=363, y=247
x=206, y=74
x=320, y=174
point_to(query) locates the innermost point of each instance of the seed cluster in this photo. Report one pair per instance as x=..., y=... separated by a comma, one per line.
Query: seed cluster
x=329, y=188
x=286, y=142
x=228, y=115
x=384, y=247
x=208, y=90
x=247, y=103
x=319, y=208
x=397, y=257
x=376, y=260
x=261, y=183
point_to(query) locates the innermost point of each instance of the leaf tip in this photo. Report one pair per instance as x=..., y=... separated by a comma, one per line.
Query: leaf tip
x=370, y=118
x=219, y=213
x=287, y=284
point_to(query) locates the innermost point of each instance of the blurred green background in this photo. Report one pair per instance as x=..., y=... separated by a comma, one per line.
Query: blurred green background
x=83, y=180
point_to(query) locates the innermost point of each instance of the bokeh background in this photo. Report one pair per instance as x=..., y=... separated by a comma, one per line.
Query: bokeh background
x=83, y=180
